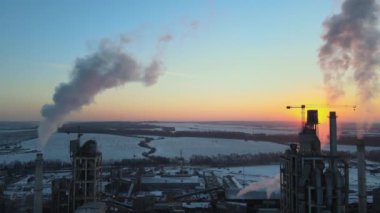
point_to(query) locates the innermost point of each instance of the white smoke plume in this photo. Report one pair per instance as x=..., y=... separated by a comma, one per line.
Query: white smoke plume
x=269, y=184
x=106, y=68
x=167, y=37
x=352, y=43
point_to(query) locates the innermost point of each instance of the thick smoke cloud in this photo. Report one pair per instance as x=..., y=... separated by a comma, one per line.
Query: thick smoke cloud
x=352, y=43
x=106, y=68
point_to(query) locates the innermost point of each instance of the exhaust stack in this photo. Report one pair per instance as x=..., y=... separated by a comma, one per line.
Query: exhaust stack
x=38, y=184
x=333, y=134
x=362, y=193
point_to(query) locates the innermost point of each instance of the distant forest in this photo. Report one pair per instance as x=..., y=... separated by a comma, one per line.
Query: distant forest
x=20, y=168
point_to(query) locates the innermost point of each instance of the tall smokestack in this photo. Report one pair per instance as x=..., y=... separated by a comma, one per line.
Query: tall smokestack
x=333, y=134
x=38, y=184
x=361, y=177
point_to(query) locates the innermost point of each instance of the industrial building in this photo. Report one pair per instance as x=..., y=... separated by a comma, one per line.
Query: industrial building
x=60, y=196
x=86, y=176
x=312, y=181
x=85, y=185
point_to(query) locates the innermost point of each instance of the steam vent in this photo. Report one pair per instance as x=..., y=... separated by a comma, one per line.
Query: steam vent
x=312, y=181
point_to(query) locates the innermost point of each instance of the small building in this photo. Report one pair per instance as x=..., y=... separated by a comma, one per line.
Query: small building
x=151, y=183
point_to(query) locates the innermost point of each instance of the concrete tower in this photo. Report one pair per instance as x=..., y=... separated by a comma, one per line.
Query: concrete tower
x=38, y=184
x=312, y=181
x=361, y=177
x=86, y=172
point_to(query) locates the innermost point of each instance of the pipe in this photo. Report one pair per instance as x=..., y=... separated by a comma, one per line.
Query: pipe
x=329, y=175
x=338, y=191
x=306, y=169
x=361, y=177
x=318, y=188
x=38, y=184
x=333, y=134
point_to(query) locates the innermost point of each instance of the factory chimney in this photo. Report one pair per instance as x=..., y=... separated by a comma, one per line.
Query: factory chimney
x=361, y=177
x=333, y=134
x=38, y=184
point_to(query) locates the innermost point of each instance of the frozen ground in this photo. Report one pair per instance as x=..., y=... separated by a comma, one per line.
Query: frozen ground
x=115, y=147
x=260, y=127
x=112, y=147
x=24, y=187
x=247, y=127
x=172, y=147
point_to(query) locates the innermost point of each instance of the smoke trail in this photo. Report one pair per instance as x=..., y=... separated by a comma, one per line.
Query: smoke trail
x=351, y=43
x=165, y=38
x=106, y=68
x=270, y=185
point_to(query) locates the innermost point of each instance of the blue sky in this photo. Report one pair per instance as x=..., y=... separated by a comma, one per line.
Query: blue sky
x=241, y=56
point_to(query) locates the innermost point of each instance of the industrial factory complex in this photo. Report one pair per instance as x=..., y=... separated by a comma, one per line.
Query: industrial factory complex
x=310, y=180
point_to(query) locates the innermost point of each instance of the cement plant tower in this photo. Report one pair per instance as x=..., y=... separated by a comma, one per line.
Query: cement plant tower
x=86, y=180
x=310, y=180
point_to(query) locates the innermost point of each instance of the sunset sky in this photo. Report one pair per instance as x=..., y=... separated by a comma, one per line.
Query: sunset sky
x=226, y=60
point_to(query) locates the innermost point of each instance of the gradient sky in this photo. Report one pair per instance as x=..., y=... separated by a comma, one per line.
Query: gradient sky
x=228, y=60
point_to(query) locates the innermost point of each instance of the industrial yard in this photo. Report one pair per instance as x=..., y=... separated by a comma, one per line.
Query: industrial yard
x=113, y=173
x=182, y=106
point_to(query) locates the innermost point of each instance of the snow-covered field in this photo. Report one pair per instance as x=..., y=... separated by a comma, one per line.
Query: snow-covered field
x=113, y=147
x=24, y=187
x=172, y=147
x=256, y=128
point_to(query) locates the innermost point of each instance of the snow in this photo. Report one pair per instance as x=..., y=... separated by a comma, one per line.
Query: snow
x=23, y=187
x=172, y=147
x=113, y=147
x=255, y=128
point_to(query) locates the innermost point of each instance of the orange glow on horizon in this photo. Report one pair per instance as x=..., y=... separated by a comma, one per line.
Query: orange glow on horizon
x=193, y=113
x=126, y=106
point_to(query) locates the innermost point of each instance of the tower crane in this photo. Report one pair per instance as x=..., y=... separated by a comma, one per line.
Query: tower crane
x=303, y=107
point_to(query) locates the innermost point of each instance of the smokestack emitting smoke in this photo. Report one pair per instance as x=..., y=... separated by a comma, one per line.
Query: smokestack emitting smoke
x=269, y=184
x=352, y=43
x=106, y=68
